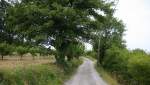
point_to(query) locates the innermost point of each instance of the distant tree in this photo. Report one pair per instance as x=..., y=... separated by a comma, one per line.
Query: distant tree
x=34, y=51
x=43, y=51
x=91, y=53
x=136, y=51
x=5, y=49
x=21, y=51
x=74, y=50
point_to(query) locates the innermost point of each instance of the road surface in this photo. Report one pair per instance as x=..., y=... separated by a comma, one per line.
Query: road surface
x=86, y=75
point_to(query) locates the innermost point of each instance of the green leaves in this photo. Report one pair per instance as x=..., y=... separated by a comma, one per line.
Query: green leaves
x=75, y=50
x=129, y=66
x=108, y=34
x=62, y=24
x=5, y=49
x=28, y=20
x=21, y=50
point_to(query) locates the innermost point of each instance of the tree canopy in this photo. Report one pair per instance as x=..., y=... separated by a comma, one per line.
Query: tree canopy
x=64, y=24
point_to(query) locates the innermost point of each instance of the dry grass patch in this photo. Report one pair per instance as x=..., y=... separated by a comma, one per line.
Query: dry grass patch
x=13, y=62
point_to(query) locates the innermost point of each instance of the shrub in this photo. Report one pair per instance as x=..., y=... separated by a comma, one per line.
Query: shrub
x=139, y=68
x=115, y=59
x=131, y=67
x=91, y=54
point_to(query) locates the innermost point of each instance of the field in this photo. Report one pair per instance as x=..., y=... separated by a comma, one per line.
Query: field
x=40, y=71
x=14, y=61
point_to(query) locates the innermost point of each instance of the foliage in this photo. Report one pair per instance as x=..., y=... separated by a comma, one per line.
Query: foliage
x=139, y=67
x=47, y=74
x=21, y=50
x=110, y=34
x=34, y=51
x=130, y=67
x=107, y=76
x=4, y=36
x=32, y=25
x=5, y=49
x=91, y=54
x=56, y=23
x=72, y=65
x=74, y=50
x=116, y=59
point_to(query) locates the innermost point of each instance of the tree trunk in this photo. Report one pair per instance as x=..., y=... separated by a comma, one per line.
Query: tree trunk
x=2, y=57
x=101, y=56
x=21, y=57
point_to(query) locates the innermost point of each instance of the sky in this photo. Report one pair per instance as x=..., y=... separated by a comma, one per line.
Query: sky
x=136, y=16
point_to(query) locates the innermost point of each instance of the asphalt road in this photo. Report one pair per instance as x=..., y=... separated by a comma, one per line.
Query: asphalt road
x=86, y=75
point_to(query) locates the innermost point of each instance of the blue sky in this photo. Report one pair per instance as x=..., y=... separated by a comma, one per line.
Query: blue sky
x=136, y=16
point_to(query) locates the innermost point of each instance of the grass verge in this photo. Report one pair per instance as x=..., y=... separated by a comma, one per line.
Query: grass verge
x=44, y=74
x=107, y=76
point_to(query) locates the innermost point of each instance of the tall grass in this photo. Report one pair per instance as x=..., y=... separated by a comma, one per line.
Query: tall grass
x=48, y=74
x=107, y=76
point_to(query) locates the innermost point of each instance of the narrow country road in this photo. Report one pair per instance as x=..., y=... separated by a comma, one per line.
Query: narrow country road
x=86, y=75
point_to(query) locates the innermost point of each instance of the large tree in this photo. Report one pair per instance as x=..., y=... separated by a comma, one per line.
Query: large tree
x=5, y=35
x=3, y=6
x=56, y=22
x=110, y=34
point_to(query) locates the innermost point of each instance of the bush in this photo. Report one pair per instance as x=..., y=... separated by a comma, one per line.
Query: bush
x=139, y=68
x=115, y=59
x=74, y=50
x=91, y=54
x=72, y=65
x=131, y=67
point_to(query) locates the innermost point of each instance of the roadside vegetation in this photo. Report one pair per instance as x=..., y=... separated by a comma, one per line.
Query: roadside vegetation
x=36, y=26
x=46, y=73
x=124, y=67
x=111, y=80
x=129, y=67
